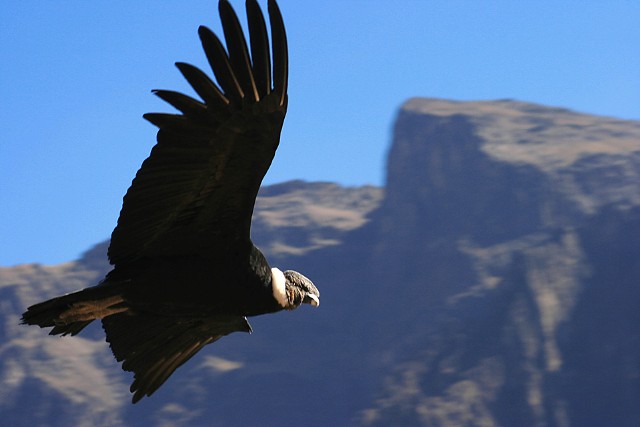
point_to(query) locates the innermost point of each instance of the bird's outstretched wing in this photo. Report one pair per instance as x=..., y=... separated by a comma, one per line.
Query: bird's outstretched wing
x=153, y=347
x=199, y=185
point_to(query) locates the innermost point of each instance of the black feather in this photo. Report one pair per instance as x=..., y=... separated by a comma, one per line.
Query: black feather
x=163, y=120
x=237, y=48
x=187, y=105
x=280, y=55
x=259, y=48
x=153, y=346
x=219, y=61
x=203, y=85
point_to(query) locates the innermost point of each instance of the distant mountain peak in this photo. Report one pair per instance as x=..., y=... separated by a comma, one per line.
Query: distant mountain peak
x=550, y=138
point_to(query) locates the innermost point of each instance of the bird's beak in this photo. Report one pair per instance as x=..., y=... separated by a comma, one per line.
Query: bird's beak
x=311, y=299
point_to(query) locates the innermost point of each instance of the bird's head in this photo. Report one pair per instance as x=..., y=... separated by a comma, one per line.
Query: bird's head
x=291, y=289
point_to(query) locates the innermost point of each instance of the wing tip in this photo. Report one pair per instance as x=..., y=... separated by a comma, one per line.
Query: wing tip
x=280, y=51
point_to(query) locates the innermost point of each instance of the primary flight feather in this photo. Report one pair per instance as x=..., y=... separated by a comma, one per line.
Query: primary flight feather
x=185, y=270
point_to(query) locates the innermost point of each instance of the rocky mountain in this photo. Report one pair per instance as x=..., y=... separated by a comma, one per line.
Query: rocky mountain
x=495, y=282
x=518, y=228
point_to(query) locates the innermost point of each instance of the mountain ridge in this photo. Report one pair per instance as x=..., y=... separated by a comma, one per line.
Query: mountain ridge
x=488, y=284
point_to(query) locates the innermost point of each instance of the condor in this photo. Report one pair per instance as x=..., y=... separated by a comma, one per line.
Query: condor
x=185, y=270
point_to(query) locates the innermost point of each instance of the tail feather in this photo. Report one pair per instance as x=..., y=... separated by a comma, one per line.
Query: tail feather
x=69, y=314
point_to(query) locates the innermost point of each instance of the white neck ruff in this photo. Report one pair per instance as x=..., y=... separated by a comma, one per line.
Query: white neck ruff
x=278, y=287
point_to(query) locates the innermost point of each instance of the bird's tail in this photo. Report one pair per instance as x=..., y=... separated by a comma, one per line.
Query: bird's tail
x=69, y=314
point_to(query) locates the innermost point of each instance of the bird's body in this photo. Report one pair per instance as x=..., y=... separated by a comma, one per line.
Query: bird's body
x=201, y=285
x=185, y=270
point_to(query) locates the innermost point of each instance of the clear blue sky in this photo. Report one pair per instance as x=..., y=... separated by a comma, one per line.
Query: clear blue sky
x=76, y=75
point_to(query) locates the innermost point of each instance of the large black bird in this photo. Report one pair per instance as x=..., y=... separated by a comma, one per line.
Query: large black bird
x=185, y=270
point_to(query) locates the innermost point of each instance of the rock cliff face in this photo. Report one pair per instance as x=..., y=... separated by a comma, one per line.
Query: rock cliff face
x=514, y=232
x=495, y=283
